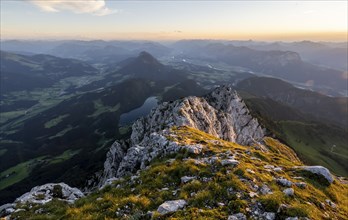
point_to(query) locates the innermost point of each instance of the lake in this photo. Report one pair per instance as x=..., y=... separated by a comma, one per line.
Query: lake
x=129, y=117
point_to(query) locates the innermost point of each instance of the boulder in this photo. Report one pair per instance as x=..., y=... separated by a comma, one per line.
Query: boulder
x=320, y=170
x=171, y=206
x=289, y=191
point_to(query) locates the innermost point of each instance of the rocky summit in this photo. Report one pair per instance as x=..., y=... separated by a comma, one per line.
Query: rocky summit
x=196, y=158
x=222, y=114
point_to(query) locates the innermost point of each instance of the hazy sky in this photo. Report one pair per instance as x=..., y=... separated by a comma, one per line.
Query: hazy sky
x=112, y=19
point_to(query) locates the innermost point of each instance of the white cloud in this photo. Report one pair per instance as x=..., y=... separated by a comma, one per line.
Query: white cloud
x=94, y=7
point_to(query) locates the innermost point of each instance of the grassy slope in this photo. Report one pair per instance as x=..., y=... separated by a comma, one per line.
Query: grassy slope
x=316, y=145
x=132, y=199
x=312, y=140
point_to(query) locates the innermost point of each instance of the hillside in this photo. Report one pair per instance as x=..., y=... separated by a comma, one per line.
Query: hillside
x=196, y=158
x=314, y=125
x=317, y=106
x=37, y=71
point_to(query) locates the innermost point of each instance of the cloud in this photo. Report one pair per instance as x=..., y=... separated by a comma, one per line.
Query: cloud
x=94, y=7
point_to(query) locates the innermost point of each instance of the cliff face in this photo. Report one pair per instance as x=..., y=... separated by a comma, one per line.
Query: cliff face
x=222, y=114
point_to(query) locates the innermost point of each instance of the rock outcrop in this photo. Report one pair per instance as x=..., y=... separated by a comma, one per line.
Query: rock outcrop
x=222, y=114
x=319, y=170
x=44, y=194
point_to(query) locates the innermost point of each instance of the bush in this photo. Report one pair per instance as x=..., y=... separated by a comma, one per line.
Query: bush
x=57, y=191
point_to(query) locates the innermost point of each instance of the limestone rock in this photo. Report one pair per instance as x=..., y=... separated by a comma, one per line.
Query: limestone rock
x=222, y=114
x=284, y=182
x=186, y=179
x=230, y=162
x=171, y=206
x=265, y=190
x=238, y=216
x=289, y=191
x=268, y=216
x=45, y=193
x=113, y=158
x=320, y=170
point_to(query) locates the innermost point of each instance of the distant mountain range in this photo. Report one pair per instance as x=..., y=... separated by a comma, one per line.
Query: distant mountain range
x=282, y=64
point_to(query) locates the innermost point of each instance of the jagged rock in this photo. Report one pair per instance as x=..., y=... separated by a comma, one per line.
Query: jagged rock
x=301, y=185
x=284, y=182
x=289, y=191
x=186, y=179
x=113, y=158
x=320, y=170
x=171, y=206
x=222, y=114
x=229, y=162
x=238, y=216
x=45, y=193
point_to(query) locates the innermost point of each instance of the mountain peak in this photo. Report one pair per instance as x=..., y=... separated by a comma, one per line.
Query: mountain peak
x=147, y=58
x=145, y=66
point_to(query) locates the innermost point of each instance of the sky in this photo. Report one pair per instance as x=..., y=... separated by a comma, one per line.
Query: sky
x=172, y=20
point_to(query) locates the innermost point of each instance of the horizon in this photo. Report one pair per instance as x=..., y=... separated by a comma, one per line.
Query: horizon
x=171, y=41
x=174, y=20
